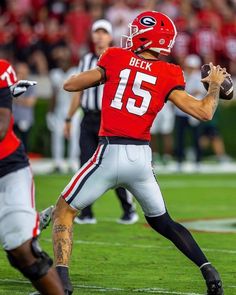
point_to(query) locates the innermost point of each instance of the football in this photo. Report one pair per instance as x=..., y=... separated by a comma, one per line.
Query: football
x=226, y=88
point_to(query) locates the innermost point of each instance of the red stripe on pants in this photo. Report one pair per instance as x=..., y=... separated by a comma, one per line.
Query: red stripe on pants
x=93, y=160
x=36, y=228
x=32, y=193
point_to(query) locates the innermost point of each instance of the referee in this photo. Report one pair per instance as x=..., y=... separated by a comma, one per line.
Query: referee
x=90, y=101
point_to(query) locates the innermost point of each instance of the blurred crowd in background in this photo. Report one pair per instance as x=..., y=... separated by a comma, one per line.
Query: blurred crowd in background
x=40, y=35
x=31, y=30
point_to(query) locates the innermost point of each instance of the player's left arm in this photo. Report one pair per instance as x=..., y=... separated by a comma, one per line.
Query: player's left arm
x=84, y=80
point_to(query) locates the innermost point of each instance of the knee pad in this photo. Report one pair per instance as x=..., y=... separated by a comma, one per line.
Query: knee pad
x=36, y=270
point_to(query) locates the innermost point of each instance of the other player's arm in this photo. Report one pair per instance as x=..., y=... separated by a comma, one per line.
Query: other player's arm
x=5, y=116
x=5, y=111
x=84, y=80
x=201, y=109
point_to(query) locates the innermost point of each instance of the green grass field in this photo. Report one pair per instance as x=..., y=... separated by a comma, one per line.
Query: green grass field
x=109, y=258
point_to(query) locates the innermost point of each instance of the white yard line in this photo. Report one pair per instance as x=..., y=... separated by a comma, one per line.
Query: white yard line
x=162, y=291
x=220, y=250
x=139, y=246
x=196, y=184
x=110, y=289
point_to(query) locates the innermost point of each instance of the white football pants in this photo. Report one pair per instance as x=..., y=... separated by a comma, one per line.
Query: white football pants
x=117, y=165
x=19, y=221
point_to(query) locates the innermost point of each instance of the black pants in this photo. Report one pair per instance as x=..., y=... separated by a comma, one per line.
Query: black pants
x=181, y=125
x=88, y=144
x=23, y=135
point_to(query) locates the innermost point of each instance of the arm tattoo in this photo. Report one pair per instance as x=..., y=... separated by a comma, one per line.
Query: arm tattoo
x=62, y=243
x=213, y=93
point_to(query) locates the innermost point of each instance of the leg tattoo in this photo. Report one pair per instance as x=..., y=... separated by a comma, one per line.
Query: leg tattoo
x=62, y=236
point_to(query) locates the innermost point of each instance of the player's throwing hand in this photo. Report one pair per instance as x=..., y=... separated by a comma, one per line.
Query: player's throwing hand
x=216, y=75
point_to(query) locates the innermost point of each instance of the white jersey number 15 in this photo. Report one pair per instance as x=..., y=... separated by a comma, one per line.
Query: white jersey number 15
x=137, y=90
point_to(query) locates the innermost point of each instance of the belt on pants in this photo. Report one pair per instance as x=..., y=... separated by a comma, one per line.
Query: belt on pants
x=121, y=140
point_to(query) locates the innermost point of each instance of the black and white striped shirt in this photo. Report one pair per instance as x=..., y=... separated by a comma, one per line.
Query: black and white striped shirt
x=91, y=99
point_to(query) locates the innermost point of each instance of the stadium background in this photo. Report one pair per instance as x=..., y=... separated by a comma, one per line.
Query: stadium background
x=31, y=30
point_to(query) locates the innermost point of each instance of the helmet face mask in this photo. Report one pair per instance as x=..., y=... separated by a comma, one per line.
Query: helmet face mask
x=150, y=30
x=133, y=29
x=127, y=41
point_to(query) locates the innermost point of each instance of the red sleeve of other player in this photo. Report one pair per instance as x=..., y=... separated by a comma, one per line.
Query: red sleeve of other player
x=7, y=74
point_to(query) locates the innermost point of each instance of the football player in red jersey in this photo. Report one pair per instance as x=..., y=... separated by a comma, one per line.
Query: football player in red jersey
x=137, y=84
x=18, y=219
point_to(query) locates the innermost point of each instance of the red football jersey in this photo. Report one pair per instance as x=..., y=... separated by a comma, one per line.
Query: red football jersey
x=7, y=74
x=135, y=91
x=10, y=143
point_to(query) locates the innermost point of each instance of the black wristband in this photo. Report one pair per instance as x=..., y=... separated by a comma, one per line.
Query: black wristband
x=68, y=120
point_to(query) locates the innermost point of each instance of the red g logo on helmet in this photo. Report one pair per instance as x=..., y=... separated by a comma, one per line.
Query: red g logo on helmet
x=151, y=30
x=148, y=21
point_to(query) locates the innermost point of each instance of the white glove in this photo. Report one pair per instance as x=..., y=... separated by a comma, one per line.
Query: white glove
x=20, y=87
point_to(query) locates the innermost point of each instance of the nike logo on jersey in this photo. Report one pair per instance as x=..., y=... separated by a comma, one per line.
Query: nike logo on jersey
x=138, y=63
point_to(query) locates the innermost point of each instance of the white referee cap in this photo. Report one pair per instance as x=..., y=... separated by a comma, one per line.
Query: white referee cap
x=102, y=24
x=192, y=61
